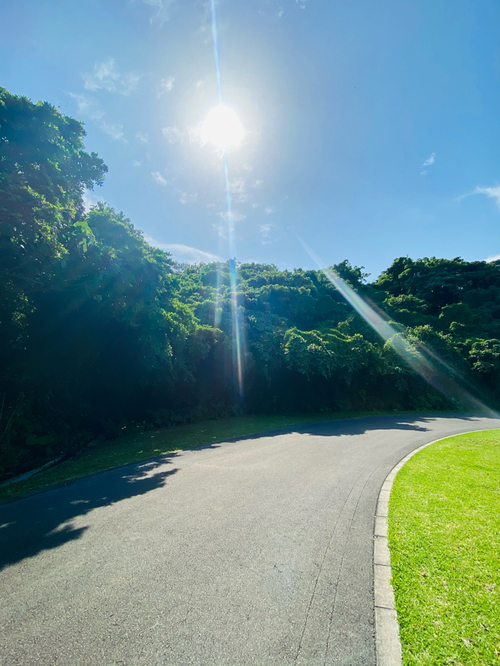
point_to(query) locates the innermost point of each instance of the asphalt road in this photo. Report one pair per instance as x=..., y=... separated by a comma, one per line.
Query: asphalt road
x=253, y=552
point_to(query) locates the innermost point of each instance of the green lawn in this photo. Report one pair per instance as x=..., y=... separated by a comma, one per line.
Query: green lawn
x=151, y=444
x=444, y=536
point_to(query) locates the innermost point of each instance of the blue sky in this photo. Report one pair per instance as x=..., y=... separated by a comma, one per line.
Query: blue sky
x=371, y=128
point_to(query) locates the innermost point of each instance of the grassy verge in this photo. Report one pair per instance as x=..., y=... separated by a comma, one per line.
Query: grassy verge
x=142, y=446
x=444, y=536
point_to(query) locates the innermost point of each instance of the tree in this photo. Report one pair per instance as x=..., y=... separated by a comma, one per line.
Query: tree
x=43, y=172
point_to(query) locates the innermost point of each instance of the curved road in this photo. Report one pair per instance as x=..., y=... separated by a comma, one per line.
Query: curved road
x=252, y=552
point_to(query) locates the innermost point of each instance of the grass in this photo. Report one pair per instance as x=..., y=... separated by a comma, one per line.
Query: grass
x=151, y=444
x=444, y=536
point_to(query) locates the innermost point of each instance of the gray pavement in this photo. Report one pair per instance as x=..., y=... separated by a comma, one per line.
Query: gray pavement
x=253, y=552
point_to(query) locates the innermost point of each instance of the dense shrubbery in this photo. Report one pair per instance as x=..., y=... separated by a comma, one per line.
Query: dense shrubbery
x=101, y=333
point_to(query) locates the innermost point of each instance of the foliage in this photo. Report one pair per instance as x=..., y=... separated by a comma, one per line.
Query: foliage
x=100, y=331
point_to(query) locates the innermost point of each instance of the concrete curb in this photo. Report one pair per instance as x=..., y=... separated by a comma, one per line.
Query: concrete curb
x=387, y=643
x=27, y=475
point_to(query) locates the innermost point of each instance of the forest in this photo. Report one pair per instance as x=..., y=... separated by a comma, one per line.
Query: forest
x=101, y=333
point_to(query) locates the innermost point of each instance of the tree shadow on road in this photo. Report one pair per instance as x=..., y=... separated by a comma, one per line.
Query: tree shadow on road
x=43, y=521
x=364, y=424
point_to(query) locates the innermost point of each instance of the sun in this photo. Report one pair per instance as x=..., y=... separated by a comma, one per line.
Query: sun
x=222, y=127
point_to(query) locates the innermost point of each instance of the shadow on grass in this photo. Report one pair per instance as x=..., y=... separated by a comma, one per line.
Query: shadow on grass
x=44, y=521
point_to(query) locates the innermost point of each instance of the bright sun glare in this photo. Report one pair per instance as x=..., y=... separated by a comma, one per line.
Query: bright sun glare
x=222, y=128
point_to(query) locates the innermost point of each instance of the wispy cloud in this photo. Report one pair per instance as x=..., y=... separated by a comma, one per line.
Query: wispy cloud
x=172, y=134
x=158, y=178
x=235, y=216
x=269, y=210
x=220, y=229
x=86, y=106
x=89, y=107
x=136, y=163
x=106, y=77
x=183, y=253
x=161, y=10
x=165, y=85
x=495, y=257
x=114, y=131
x=265, y=230
x=90, y=199
x=188, y=197
x=281, y=12
x=265, y=233
x=430, y=160
x=237, y=186
x=491, y=192
x=142, y=137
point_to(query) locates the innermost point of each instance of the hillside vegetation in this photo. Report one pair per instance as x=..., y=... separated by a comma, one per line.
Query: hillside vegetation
x=102, y=334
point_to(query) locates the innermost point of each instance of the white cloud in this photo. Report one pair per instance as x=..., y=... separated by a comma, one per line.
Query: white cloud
x=281, y=12
x=430, y=160
x=158, y=178
x=491, y=192
x=161, y=10
x=233, y=215
x=423, y=173
x=114, y=131
x=187, y=197
x=172, y=134
x=88, y=107
x=269, y=210
x=183, y=253
x=106, y=77
x=237, y=186
x=165, y=85
x=265, y=232
x=142, y=137
x=495, y=257
x=136, y=163
x=255, y=205
x=220, y=229
x=90, y=198
x=258, y=183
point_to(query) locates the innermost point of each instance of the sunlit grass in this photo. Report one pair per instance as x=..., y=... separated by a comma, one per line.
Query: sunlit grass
x=143, y=446
x=444, y=536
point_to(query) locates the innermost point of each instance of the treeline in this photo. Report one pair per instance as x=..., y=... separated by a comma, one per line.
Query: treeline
x=100, y=333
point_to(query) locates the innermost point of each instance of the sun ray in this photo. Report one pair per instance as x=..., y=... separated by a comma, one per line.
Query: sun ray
x=422, y=360
x=215, y=130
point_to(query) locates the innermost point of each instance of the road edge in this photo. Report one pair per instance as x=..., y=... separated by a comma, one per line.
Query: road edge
x=387, y=642
x=259, y=433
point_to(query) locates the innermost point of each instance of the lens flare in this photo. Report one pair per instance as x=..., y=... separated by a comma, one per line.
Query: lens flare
x=422, y=360
x=224, y=130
